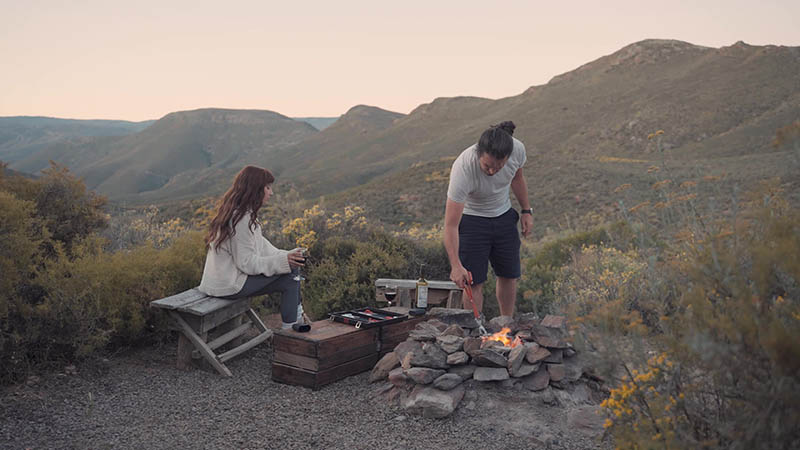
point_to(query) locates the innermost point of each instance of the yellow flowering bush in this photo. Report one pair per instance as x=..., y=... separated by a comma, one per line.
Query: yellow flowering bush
x=647, y=409
x=604, y=286
x=720, y=367
x=301, y=230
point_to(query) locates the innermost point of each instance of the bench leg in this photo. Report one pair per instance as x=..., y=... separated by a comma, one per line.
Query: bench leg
x=454, y=300
x=200, y=345
x=185, y=348
x=256, y=320
x=404, y=298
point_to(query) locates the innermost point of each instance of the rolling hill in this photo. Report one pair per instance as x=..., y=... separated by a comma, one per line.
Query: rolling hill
x=23, y=138
x=711, y=102
x=585, y=131
x=189, y=153
x=313, y=156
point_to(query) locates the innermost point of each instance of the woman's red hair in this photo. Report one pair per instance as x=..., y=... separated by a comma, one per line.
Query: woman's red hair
x=245, y=196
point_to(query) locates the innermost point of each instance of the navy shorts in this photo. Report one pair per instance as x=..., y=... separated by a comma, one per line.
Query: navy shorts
x=490, y=239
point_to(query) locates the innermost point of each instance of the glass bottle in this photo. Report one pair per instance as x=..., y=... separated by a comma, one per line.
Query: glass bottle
x=422, y=290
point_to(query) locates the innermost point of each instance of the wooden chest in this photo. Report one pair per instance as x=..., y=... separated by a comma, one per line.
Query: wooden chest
x=395, y=333
x=329, y=352
x=332, y=351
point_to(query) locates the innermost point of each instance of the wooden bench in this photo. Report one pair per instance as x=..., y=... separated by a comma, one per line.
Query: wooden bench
x=440, y=293
x=196, y=314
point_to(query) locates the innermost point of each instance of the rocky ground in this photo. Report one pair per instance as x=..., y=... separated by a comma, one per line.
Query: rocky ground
x=139, y=400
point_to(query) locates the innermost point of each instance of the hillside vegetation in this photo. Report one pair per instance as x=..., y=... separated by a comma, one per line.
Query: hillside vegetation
x=23, y=138
x=189, y=152
x=712, y=103
x=686, y=293
x=585, y=131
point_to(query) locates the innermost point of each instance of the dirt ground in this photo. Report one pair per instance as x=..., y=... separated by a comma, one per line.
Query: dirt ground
x=138, y=399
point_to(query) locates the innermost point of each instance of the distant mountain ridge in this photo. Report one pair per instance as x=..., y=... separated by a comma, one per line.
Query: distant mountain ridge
x=712, y=103
x=21, y=137
x=184, y=151
x=586, y=131
x=308, y=158
x=320, y=123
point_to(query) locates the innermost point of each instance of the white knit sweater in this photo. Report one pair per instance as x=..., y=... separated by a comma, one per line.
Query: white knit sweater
x=244, y=253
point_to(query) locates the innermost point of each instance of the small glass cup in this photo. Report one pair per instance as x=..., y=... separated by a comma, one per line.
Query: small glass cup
x=389, y=293
x=298, y=271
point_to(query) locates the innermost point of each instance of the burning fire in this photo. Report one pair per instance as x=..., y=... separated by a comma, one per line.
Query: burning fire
x=503, y=337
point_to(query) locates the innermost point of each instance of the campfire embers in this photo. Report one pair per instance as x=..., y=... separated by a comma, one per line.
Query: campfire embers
x=428, y=370
x=500, y=336
x=503, y=336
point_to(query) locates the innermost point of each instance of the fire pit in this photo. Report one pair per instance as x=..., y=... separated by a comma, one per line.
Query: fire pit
x=427, y=371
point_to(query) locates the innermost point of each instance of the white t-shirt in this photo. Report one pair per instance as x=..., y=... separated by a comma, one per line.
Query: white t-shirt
x=481, y=194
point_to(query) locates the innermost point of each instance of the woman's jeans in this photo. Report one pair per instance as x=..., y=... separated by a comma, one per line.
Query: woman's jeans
x=285, y=284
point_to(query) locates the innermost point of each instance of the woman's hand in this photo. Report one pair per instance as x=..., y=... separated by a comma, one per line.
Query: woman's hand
x=296, y=258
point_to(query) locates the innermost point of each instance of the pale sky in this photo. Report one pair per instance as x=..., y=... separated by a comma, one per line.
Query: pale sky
x=141, y=60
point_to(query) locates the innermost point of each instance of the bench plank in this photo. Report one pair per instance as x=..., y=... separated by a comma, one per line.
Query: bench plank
x=412, y=284
x=179, y=300
x=208, y=305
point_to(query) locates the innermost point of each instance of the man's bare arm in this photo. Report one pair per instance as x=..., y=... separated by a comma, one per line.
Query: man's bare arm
x=520, y=188
x=452, y=216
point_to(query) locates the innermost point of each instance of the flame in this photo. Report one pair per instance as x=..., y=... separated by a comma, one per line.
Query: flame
x=503, y=337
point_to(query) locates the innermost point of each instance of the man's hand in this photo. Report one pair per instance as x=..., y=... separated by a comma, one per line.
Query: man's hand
x=526, y=222
x=460, y=276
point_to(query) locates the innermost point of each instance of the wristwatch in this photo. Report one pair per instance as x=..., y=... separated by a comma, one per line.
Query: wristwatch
x=527, y=211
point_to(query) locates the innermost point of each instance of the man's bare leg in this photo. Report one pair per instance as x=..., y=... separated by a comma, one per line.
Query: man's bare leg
x=477, y=297
x=506, y=295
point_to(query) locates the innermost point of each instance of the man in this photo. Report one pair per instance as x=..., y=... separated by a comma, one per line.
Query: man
x=480, y=226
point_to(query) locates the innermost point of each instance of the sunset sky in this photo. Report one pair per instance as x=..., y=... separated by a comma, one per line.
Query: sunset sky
x=142, y=60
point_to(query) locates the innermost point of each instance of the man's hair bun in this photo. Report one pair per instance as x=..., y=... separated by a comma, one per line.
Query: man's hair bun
x=507, y=126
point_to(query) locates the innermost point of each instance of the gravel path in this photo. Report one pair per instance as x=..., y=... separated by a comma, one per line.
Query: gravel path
x=140, y=401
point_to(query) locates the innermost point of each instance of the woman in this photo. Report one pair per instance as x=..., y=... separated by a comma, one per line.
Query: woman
x=240, y=261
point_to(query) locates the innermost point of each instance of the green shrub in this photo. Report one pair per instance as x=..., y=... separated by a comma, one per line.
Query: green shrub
x=535, y=288
x=62, y=203
x=74, y=306
x=342, y=272
x=603, y=285
x=23, y=239
x=61, y=296
x=725, y=370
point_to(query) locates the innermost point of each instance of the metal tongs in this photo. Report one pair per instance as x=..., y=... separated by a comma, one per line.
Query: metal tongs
x=468, y=290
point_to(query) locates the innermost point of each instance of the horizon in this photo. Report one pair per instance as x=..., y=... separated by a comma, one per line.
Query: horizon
x=134, y=63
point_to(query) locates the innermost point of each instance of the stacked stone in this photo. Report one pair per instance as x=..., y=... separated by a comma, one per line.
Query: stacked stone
x=428, y=370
